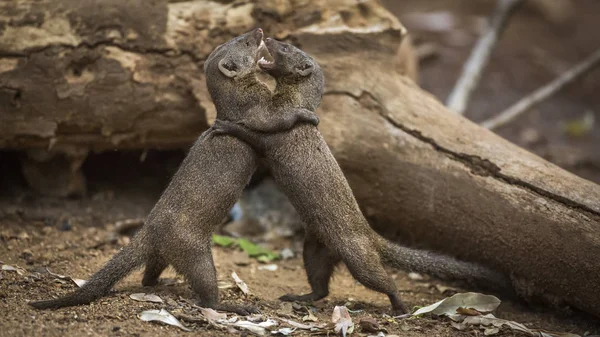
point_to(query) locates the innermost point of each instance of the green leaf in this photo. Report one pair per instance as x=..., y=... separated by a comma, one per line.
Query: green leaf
x=223, y=241
x=260, y=253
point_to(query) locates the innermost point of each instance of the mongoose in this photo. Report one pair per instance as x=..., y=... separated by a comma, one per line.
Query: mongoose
x=211, y=178
x=304, y=168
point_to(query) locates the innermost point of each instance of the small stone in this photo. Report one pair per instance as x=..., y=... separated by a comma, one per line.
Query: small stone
x=369, y=324
x=23, y=236
x=287, y=253
x=27, y=254
x=65, y=226
x=415, y=276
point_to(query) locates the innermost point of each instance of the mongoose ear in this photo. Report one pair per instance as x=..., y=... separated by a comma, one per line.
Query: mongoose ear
x=305, y=69
x=228, y=67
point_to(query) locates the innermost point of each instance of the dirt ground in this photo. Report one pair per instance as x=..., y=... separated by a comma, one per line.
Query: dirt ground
x=75, y=237
x=77, y=250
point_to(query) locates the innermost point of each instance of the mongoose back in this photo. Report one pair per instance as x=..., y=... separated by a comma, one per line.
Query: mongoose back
x=304, y=168
x=210, y=179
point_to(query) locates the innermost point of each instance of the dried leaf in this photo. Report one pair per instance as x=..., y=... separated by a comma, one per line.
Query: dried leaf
x=143, y=297
x=161, y=316
x=442, y=289
x=256, y=328
x=459, y=326
x=283, y=331
x=212, y=315
x=490, y=319
x=241, y=284
x=448, y=306
x=225, y=285
x=16, y=269
x=491, y=331
x=341, y=319
x=298, y=325
x=77, y=281
x=309, y=317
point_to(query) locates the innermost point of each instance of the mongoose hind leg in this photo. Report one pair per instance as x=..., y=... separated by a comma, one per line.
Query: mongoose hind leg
x=201, y=274
x=319, y=263
x=154, y=267
x=364, y=263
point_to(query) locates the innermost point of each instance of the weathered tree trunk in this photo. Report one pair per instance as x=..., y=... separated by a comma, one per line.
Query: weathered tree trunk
x=78, y=76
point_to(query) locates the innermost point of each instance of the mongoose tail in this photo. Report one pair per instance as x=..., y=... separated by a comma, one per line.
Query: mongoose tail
x=127, y=259
x=443, y=267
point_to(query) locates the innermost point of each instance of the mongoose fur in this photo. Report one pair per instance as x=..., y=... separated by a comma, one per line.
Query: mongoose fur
x=304, y=168
x=211, y=178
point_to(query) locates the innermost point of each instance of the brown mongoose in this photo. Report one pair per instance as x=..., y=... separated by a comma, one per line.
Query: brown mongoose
x=211, y=178
x=304, y=168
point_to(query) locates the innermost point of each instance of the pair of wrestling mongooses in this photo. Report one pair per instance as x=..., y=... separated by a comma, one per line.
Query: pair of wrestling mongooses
x=304, y=168
x=211, y=178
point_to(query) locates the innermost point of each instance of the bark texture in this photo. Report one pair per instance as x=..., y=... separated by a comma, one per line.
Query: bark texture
x=83, y=75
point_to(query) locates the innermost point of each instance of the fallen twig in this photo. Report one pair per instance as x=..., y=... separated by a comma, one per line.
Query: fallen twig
x=459, y=97
x=544, y=92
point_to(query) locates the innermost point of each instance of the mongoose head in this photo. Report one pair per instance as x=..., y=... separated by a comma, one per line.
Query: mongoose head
x=295, y=72
x=232, y=66
x=237, y=57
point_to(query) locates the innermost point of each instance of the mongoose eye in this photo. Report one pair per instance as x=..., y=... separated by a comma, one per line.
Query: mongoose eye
x=247, y=44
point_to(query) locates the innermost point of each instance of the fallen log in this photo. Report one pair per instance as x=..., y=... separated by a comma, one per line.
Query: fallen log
x=421, y=174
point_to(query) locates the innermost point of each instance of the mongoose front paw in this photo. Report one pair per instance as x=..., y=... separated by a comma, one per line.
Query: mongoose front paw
x=150, y=282
x=312, y=119
x=400, y=310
